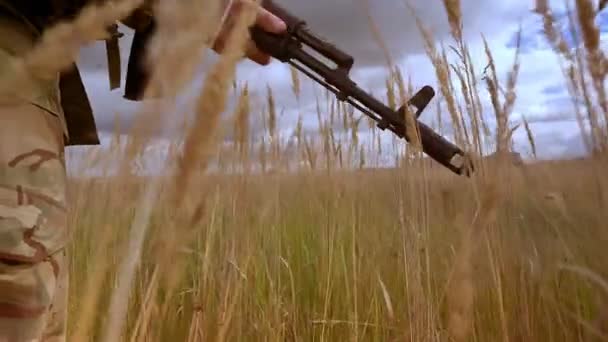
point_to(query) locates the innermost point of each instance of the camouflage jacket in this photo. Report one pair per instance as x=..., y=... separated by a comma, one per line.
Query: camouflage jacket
x=74, y=100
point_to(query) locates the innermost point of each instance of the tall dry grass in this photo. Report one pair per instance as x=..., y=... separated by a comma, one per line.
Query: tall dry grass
x=306, y=237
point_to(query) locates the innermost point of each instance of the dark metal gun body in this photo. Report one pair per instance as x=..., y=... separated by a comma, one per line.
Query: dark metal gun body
x=288, y=48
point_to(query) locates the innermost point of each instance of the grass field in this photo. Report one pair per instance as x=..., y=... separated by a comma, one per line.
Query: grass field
x=316, y=247
x=366, y=256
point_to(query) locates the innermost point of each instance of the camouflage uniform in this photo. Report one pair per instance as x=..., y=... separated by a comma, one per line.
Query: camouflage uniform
x=33, y=230
x=34, y=129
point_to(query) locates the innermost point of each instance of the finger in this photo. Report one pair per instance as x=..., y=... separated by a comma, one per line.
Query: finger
x=270, y=22
x=264, y=19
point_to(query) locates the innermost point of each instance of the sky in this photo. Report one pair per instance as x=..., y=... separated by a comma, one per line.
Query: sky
x=541, y=93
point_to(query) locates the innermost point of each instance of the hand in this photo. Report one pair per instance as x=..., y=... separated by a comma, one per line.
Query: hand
x=264, y=19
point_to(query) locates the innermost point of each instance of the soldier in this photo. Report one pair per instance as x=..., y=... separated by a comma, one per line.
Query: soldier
x=35, y=126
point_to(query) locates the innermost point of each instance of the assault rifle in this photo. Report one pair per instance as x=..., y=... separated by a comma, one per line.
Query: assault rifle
x=289, y=48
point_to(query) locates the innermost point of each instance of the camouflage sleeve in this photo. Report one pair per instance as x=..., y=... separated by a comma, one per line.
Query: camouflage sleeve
x=33, y=220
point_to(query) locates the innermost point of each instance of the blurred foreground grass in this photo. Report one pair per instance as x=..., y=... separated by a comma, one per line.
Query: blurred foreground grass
x=322, y=246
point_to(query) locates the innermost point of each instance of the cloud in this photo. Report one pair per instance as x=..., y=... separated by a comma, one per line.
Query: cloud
x=533, y=37
x=554, y=140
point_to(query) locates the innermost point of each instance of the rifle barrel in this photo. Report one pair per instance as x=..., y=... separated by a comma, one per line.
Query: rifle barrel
x=433, y=144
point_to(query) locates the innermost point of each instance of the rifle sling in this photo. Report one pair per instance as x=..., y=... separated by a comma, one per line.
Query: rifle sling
x=113, y=57
x=138, y=74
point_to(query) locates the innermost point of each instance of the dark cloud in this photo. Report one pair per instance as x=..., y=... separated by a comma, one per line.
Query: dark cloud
x=346, y=24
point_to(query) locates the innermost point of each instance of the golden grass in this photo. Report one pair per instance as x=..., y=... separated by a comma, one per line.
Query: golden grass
x=310, y=240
